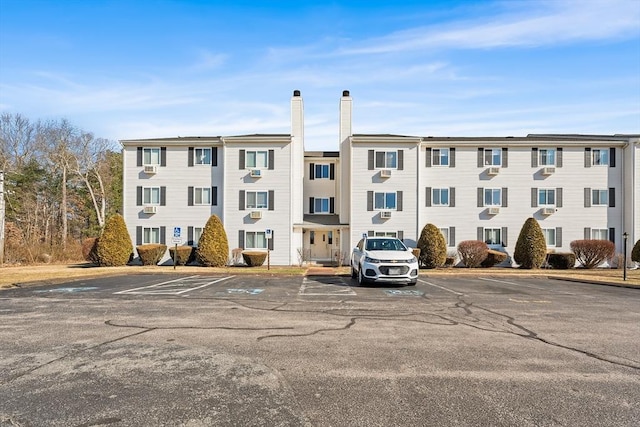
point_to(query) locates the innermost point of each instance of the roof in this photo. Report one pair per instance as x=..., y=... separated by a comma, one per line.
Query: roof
x=322, y=221
x=322, y=154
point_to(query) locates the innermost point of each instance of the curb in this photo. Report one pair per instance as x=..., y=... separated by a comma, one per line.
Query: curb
x=594, y=282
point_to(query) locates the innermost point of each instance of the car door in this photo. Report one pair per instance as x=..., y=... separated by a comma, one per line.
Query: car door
x=357, y=254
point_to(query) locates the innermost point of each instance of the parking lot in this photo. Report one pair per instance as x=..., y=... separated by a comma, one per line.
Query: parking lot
x=200, y=350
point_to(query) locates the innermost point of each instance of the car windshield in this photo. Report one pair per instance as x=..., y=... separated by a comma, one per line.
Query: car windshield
x=385, y=245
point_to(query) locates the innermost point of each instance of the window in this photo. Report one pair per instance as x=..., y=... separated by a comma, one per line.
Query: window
x=386, y=234
x=600, y=234
x=257, y=200
x=150, y=156
x=151, y=196
x=321, y=205
x=600, y=157
x=384, y=201
x=493, y=197
x=549, y=236
x=202, y=196
x=330, y=237
x=150, y=235
x=255, y=240
x=322, y=171
x=440, y=197
x=256, y=159
x=493, y=156
x=547, y=156
x=546, y=197
x=202, y=156
x=440, y=157
x=492, y=236
x=386, y=159
x=600, y=197
x=197, y=233
x=312, y=237
x=445, y=233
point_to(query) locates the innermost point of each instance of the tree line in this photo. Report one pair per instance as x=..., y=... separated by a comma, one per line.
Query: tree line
x=60, y=183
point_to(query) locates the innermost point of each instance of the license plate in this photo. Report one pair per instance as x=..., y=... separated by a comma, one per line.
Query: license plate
x=395, y=271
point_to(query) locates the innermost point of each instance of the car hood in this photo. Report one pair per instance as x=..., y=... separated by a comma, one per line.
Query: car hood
x=390, y=255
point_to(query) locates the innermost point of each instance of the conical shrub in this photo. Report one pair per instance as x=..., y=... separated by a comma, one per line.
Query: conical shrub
x=213, y=247
x=433, y=248
x=635, y=252
x=531, y=248
x=114, y=245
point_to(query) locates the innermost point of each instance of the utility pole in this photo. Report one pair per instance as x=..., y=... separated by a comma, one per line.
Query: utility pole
x=1, y=218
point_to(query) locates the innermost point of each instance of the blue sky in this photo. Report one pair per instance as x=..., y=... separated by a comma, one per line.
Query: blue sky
x=142, y=69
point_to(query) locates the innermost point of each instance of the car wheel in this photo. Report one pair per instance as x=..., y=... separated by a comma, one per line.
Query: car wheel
x=361, y=279
x=353, y=272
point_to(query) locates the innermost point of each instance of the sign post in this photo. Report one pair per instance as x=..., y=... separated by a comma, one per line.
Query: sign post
x=177, y=232
x=268, y=235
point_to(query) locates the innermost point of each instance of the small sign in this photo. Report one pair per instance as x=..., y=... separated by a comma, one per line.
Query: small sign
x=364, y=235
x=177, y=231
x=268, y=233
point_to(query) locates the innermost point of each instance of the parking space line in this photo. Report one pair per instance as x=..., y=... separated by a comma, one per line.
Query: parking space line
x=165, y=288
x=206, y=284
x=440, y=287
x=525, y=286
x=128, y=291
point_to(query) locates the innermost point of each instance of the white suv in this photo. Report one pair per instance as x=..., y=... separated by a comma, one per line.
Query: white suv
x=383, y=260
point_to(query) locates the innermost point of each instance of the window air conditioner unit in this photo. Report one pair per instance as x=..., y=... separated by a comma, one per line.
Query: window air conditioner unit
x=548, y=211
x=150, y=169
x=385, y=173
x=385, y=214
x=548, y=170
x=494, y=170
x=150, y=209
x=255, y=214
x=494, y=211
x=255, y=173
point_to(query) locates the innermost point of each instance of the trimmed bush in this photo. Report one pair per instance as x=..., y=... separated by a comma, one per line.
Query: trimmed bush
x=635, y=252
x=591, y=253
x=151, y=254
x=254, y=258
x=472, y=252
x=114, y=245
x=562, y=261
x=183, y=254
x=213, y=247
x=89, y=252
x=531, y=248
x=433, y=248
x=493, y=258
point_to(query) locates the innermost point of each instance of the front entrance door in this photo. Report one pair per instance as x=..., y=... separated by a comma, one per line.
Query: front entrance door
x=320, y=244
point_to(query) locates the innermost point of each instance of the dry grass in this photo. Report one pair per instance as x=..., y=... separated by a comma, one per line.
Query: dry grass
x=58, y=273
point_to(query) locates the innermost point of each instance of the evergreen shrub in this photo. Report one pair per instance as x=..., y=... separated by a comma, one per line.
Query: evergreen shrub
x=562, y=261
x=114, y=245
x=591, y=253
x=254, y=258
x=182, y=256
x=493, y=258
x=472, y=252
x=531, y=248
x=213, y=247
x=635, y=252
x=151, y=254
x=433, y=248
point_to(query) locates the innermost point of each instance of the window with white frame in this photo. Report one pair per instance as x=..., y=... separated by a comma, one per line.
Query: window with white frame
x=256, y=159
x=547, y=156
x=440, y=157
x=197, y=233
x=150, y=235
x=493, y=236
x=440, y=197
x=600, y=234
x=202, y=156
x=321, y=205
x=257, y=200
x=386, y=234
x=546, y=197
x=151, y=196
x=600, y=157
x=321, y=171
x=255, y=240
x=384, y=201
x=600, y=197
x=493, y=157
x=202, y=196
x=150, y=156
x=549, y=236
x=493, y=197
x=445, y=233
x=386, y=159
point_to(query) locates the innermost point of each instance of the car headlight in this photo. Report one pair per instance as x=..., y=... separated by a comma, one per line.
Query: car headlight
x=413, y=259
x=371, y=260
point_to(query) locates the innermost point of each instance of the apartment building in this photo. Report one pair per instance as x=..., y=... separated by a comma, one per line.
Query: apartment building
x=317, y=205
